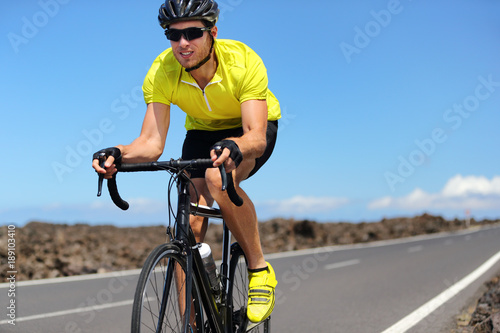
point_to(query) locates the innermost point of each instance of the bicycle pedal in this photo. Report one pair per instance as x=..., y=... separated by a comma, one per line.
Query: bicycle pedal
x=245, y=325
x=241, y=320
x=251, y=325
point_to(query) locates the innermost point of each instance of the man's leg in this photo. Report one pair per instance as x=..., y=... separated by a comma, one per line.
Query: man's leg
x=242, y=221
x=201, y=196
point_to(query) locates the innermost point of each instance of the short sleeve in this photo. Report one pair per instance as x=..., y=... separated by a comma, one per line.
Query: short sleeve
x=155, y=84
x=254, y=83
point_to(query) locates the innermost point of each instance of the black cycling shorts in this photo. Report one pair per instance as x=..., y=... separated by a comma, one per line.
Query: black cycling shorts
x=198, y=144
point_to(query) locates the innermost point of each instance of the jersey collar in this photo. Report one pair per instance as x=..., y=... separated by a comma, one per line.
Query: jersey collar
x=188, y=78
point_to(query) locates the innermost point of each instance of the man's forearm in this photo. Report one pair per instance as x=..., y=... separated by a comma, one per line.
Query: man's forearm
x=141, y=150
x=252, y=144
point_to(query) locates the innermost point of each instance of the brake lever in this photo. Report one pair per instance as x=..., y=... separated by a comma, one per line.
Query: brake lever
x=227, y=181
x=102, y=160
x=223, y=174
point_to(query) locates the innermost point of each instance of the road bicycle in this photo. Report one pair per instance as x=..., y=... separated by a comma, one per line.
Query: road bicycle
x=175, y=293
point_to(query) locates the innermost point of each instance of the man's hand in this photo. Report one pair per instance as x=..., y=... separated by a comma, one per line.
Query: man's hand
x=230, y=155
x=112, y=157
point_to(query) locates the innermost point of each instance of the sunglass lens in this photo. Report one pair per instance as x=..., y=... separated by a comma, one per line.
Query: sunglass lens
x=188, y=33
x=193, y=33
x=174, y=35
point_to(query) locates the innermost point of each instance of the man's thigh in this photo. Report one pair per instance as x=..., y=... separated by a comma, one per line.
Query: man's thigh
x=199, y=192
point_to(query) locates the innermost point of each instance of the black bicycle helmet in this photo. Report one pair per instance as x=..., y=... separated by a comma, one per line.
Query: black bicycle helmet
x=185, y=10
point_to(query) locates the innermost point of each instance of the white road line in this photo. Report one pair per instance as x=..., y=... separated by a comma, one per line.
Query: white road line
x=71, y=311
x=73, y=278
x=416, y=316
x=414, y=249
x=342, y=264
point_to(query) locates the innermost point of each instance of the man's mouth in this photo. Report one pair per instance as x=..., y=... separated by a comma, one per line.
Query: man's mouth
x=186, y=54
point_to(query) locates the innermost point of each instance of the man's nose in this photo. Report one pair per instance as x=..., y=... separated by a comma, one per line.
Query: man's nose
x=183, y=41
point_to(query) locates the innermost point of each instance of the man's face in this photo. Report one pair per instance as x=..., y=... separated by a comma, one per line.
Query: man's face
x=190, y=53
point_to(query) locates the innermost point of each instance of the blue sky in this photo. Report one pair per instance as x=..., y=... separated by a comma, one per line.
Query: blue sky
x=390, y=108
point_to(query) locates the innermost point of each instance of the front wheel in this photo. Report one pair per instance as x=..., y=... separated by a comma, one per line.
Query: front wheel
x=160, y=298
x=238, y=294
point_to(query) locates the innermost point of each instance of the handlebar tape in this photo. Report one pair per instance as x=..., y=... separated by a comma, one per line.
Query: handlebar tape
x=231, y=191
x=115, y=196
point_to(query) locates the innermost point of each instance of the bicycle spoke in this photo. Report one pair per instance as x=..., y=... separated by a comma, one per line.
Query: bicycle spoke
x=160, y=302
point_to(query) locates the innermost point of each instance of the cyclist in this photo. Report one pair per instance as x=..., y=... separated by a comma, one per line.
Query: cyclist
x=221, y=85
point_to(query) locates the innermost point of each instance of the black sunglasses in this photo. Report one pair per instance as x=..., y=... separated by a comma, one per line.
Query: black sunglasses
x=188, y=33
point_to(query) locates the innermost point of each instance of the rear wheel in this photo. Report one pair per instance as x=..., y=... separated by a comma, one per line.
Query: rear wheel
x=160, y=298
x=238, y=294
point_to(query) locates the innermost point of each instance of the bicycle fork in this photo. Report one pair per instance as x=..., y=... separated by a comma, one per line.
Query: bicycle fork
x=182, y=282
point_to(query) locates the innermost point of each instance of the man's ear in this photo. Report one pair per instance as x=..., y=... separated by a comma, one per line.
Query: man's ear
x=214, y=32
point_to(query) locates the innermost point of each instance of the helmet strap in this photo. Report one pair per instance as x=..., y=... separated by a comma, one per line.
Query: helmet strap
x=204, y=61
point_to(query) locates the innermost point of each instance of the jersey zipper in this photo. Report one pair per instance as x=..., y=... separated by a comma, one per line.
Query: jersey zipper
x=203, y=91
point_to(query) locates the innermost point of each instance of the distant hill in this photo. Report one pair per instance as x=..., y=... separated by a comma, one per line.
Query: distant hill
x=46, y=250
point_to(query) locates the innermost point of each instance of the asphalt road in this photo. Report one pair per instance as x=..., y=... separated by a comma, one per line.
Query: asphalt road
x=411, y=285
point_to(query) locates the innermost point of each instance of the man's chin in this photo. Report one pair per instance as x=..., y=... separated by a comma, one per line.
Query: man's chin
x=186, y=63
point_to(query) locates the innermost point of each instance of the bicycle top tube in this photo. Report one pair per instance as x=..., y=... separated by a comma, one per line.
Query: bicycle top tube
x=205, y=211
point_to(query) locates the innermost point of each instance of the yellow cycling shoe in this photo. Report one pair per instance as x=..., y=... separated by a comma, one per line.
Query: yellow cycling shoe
x=261, y=294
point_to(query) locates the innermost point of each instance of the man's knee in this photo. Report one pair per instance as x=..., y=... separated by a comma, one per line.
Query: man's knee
x=213, y=179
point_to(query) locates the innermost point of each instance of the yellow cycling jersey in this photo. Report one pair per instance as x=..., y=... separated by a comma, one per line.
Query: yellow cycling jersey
x=240, y=76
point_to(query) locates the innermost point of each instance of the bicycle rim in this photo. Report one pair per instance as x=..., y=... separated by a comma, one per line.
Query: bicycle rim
x=238, y=294
x=160, y=298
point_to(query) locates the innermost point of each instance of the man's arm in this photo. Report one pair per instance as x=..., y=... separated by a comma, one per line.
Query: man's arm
x=150, y=143
x=252, y=143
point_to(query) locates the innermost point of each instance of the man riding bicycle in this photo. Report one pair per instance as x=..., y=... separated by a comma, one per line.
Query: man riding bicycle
x=221, y=85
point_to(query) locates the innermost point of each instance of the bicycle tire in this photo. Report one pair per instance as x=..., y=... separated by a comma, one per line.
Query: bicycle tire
x=158, y=277
x=238, y=293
